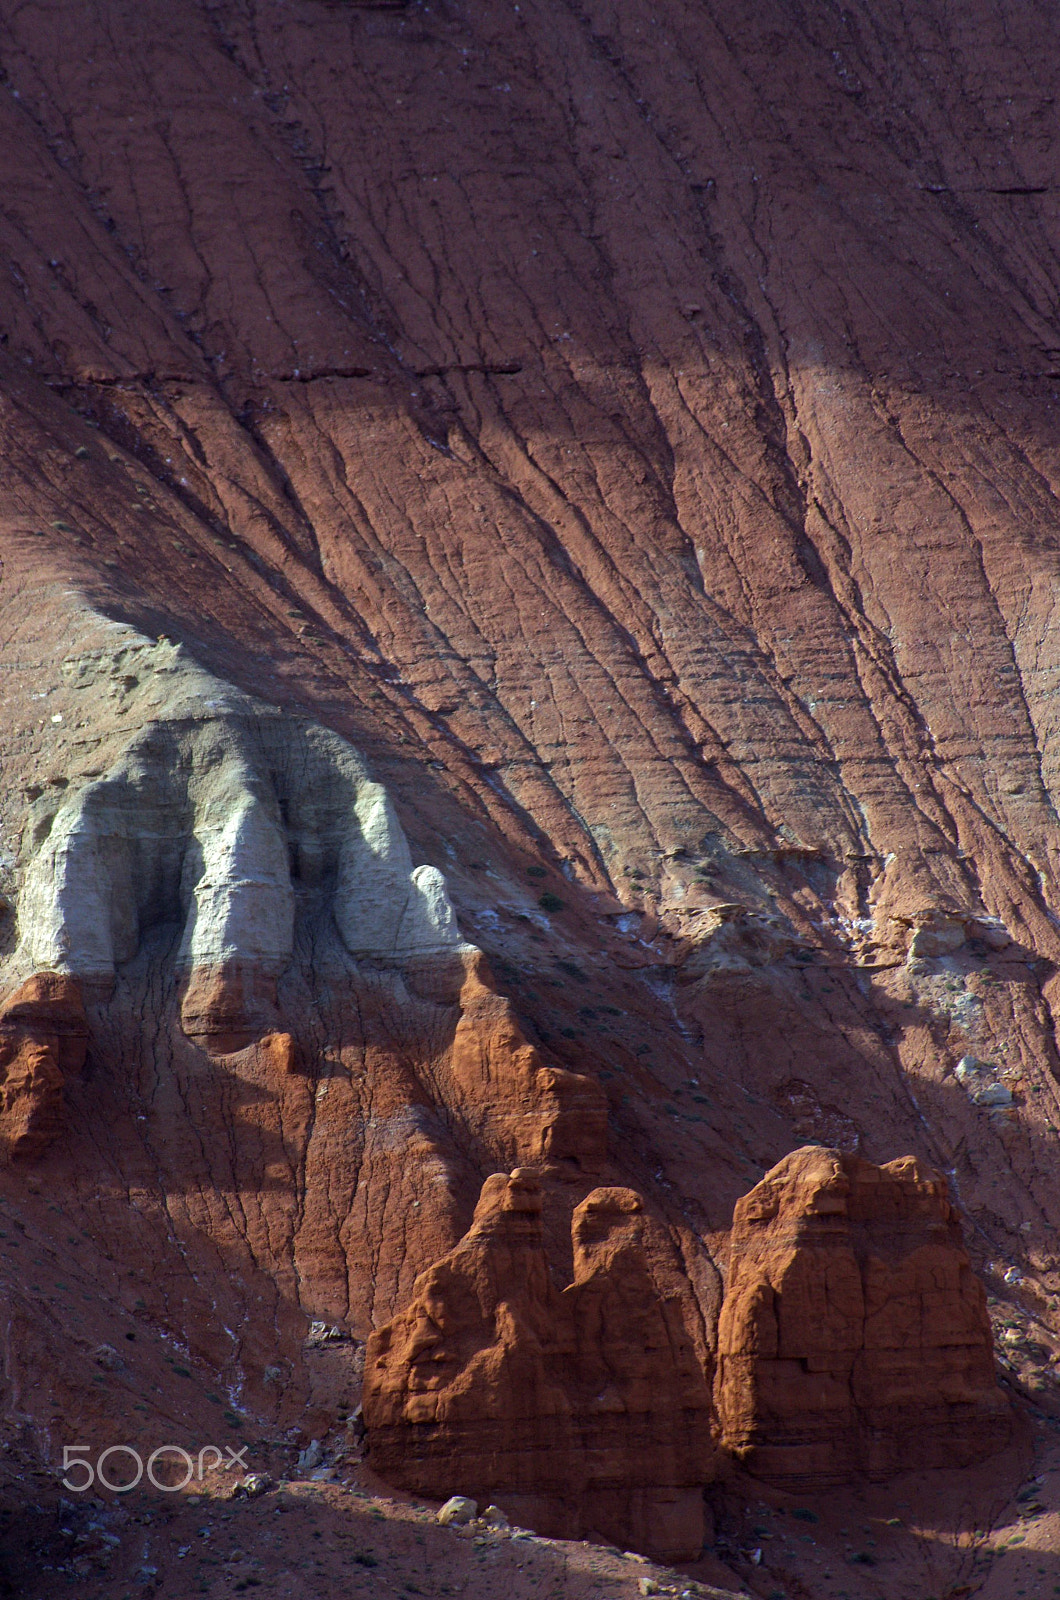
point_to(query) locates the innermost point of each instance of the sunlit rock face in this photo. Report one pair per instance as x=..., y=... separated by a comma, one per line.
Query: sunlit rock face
x=217, y=902
x=854, y=1335
x=642, y=461
x=582, y=1412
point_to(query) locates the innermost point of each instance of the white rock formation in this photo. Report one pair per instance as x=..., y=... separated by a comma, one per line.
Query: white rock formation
x=383, y=906
x=224, y=818
x=242, y=905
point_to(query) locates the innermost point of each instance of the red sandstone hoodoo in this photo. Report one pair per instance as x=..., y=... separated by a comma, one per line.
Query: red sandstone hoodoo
x=853, y=1339
x=854, y=1335
x=582, y=1412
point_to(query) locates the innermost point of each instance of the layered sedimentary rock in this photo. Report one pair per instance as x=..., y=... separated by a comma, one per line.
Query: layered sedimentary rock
x=854, y=1335
x=228, y=819
x=231, y=892
x=581, y=1411
x=636, y=458
x=43, y=1038
x=231, y=846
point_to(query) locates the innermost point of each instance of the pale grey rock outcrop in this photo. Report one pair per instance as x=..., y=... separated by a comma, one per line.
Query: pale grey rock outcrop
x=223, y=815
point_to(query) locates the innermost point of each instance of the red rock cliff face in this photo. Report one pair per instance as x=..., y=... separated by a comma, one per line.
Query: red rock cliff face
x=854, y=1335
x=585, y=477
x=582, y=1412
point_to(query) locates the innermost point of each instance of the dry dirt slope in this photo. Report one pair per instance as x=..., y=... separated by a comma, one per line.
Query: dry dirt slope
x=633, y=429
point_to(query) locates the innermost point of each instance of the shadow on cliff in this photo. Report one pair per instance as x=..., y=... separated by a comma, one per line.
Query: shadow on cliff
x=926, y=1533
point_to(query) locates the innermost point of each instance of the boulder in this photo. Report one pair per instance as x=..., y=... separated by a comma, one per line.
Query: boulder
x=311, y=1457
x=457, y=1512
x=994, y=1095
x=935, y=936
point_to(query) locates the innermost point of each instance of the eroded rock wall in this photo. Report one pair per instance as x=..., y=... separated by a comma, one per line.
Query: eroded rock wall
x=43, y=1039
x=221, y=813
x=629, y=431
x=216, y=903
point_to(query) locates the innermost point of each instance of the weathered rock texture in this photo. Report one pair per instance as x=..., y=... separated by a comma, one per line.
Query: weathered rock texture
x=43, y=1037
x=854, y=1335
x=602, y=453
x=227, y=823
x=582, y=1412
x=298, y=1069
